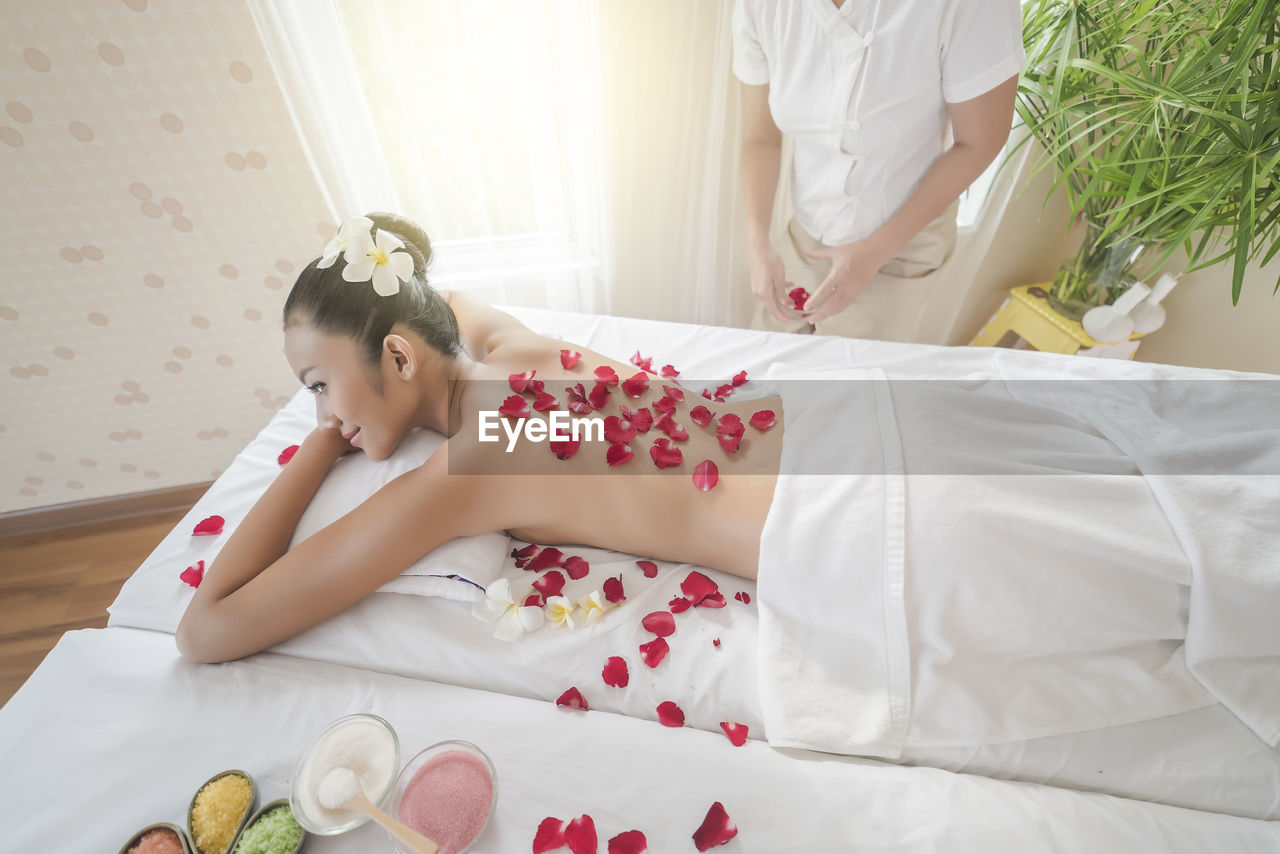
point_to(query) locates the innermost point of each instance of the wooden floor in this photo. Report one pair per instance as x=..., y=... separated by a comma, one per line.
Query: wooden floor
x=56, y=581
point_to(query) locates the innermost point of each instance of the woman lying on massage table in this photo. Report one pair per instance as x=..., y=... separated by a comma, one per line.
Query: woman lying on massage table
x=380, y=366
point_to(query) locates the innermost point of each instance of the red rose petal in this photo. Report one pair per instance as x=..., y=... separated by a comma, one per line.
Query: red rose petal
x=729, y=444
x=520, y=382
x=193, y=574
x=701, y=415
x=576, y=567
x=578, y=399
x=606, y=375
x=545, y=401
x=679, y=604
x=618, y=454
x=672, y=428
x=648, y=567
x=550, y=584
x=573, y=699
x=644, y=363
x=665, y=405
x=737, y=732
x=548, y=557
x=730, y=425
x=743, y=596
x=514, y=406
x=723, y=392
x=641, y=419
x=665, y=455
x=599, y=396
x=712, y=600
x=706, y=475
x=740, y=378
x=763, y=420
x=208, y=527
x=526, y=552
x=550, y=835
x=716, y=829
x=534, y=600
x=615, y=432
x=536, y=386
x=697, y=587
x=673, y=392
x=661, y=623
x=706, y=393
x=629, y=842
x=580, y=835
x=613, y=591
x=569, y=358
x=636, y=385
x=669, y=714
x=670, y=372
x=287, y=454
x=615, y=672
x=654, y=651
x=566, y=449
x=715, y=642
x=799, y=296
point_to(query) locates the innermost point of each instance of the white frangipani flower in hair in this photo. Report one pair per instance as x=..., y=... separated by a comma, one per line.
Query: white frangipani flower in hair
x=380, y=261
x=357, y=225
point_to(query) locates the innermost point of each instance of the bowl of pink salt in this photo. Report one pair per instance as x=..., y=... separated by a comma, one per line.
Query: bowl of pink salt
x=447, y=793
x=159, y=838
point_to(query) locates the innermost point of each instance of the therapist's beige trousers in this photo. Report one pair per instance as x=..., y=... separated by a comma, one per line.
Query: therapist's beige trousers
x=889, y=307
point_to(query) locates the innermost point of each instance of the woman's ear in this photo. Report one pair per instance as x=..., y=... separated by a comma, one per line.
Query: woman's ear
x=403, y=357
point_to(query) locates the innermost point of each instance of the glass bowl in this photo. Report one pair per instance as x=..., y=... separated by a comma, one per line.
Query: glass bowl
x=411, y=769
x=304, y=778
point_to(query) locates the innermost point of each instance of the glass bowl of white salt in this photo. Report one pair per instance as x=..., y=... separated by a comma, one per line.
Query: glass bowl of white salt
x=365, y=743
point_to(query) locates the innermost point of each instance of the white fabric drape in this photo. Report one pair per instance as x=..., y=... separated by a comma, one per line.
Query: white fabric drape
x=570, y=154
x=579, y=155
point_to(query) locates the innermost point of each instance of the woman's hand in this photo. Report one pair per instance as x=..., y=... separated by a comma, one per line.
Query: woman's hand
x=852, y=266
x=769, y=281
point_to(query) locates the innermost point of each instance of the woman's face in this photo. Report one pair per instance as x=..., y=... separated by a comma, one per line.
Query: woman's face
x=332, y=368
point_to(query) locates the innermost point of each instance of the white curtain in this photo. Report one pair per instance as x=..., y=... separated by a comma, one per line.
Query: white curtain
x=572, y=154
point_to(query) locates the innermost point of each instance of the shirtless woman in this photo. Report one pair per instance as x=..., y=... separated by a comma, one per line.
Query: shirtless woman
x=380, y=366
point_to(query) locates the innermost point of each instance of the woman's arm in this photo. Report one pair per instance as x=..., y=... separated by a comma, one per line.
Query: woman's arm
x=256, y=594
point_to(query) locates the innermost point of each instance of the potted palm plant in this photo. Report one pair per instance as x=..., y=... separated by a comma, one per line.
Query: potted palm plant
x=1163, y=119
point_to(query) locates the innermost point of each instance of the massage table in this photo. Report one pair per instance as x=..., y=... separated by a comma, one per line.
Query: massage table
x=418, y=632
x=83, y=776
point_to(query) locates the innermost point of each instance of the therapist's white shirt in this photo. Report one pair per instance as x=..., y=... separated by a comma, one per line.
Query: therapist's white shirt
x=862, y=92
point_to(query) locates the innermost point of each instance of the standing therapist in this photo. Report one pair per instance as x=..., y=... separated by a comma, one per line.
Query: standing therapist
x=866, y=89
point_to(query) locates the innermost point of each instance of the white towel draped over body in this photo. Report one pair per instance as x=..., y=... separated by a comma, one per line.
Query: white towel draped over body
x=926, y=595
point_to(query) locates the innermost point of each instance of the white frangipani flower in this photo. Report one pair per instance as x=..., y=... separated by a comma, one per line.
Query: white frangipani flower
x=378, y=260
x=513, y=619
x=591, y=608
x=355, y=225
x=559, y=612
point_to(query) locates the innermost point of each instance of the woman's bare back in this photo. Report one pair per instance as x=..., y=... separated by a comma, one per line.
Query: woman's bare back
x=633, y=507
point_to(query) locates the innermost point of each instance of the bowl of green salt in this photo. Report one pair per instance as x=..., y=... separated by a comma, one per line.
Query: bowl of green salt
x=271, y=830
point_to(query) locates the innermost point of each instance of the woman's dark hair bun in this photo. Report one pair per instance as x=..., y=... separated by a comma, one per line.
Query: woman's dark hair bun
x=415, y=239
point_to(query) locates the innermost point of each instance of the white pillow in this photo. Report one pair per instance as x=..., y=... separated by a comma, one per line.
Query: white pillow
x=475, y=560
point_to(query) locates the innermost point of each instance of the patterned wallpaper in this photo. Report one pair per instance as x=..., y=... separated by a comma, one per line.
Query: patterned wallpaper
x=157, y=205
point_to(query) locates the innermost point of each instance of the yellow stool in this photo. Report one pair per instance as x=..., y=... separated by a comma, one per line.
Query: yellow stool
x=1027, y=314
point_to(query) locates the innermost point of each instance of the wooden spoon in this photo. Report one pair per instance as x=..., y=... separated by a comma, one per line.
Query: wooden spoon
x=410, y=837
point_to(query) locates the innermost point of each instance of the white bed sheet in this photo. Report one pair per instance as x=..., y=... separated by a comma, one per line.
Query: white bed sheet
x=157, y=726
x=1203, y=758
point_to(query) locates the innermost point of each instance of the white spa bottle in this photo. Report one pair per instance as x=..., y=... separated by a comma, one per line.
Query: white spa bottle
x=1150, y=314
x=1111, y=323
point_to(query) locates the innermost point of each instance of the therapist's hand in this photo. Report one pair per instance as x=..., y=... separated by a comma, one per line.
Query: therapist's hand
x=852, y=266
x=769, y=281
